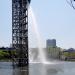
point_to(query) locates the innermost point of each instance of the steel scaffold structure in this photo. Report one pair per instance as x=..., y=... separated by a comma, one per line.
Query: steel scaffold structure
x=20, y=30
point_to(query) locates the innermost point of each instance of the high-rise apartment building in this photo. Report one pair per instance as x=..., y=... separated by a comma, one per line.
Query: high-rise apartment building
x=51, y=43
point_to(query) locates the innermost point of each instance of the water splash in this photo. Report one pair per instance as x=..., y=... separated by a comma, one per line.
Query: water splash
x=42, y=55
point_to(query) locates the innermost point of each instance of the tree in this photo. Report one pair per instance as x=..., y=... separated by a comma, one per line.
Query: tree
x=71, y=3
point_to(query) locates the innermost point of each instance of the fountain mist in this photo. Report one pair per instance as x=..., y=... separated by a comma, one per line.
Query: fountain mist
x=42, y=55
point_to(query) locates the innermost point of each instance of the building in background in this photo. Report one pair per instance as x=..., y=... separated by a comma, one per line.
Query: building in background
x=52, y=50
x=51, y=43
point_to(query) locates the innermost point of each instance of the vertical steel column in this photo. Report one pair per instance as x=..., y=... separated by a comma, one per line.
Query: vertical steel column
x=20, y=30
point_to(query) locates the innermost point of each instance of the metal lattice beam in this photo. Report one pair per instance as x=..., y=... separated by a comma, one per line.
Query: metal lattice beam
x=20, y=30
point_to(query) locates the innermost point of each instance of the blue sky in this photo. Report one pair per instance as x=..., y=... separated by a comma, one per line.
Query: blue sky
x=56, y=19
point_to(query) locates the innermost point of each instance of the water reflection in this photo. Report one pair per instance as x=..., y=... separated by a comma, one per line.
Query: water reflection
x=6, y=68
x=66, y=68
x=40, y=69
x=20, y=71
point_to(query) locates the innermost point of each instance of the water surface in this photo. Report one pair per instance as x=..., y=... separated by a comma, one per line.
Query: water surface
x=59, y=68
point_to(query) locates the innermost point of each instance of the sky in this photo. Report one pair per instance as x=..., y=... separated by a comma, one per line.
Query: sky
x=55, y=18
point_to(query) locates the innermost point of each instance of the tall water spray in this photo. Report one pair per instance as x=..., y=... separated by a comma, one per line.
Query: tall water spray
x=42, y=55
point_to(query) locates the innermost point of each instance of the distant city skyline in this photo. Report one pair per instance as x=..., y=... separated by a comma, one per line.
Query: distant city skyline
x=56, y=19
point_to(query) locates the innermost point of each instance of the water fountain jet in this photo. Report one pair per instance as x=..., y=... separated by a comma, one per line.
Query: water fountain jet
x=35, y=28
x=41, y=51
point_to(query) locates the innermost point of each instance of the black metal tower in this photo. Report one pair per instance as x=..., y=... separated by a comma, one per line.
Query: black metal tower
x=20, y=30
